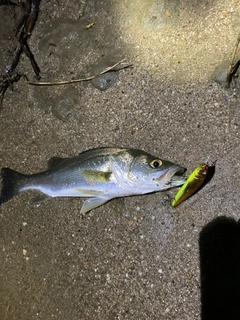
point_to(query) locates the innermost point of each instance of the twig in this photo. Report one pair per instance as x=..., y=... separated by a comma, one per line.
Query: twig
x=24, y=27
x=233, y=67
x=57, y=83
x=90, y=25
x=5, y=82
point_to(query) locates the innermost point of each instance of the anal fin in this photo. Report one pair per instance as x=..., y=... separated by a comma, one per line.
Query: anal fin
x=36, y=201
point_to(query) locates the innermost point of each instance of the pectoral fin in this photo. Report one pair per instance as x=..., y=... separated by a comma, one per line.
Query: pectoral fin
x=93, y=203
x=94, y=176
x=89, y=193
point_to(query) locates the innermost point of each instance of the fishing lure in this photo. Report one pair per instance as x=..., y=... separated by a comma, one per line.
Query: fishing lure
x=192, y=184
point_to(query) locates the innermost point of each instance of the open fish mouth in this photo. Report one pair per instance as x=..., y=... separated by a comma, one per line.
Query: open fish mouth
x=174, y=176
x=177, y=174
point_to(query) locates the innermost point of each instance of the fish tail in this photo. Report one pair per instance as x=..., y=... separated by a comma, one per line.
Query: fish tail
x=11, y=182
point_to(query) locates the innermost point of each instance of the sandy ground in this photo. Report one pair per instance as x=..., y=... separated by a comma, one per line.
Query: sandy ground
x=135, y=257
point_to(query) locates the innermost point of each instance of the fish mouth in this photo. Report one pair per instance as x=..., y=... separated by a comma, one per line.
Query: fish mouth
x=177, y=173
x=171, y=177
x=174, y=176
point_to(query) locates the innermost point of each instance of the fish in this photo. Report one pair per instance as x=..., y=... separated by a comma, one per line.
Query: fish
x=100, y=174
x=192, y=184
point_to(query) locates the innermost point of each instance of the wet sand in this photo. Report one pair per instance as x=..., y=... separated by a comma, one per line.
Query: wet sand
x=134, y=257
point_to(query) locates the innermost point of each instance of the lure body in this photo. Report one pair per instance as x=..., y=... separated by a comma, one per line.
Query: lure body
x=192, y=184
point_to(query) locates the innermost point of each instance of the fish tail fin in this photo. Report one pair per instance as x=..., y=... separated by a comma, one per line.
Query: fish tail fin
x=11, y=182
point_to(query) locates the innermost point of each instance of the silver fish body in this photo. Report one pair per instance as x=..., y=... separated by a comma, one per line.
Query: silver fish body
x=101, y=174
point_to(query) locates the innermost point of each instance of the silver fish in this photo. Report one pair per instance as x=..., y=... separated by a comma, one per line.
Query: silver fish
x=101, y=174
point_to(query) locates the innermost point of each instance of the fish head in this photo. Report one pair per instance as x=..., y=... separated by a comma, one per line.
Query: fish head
x=150, y=174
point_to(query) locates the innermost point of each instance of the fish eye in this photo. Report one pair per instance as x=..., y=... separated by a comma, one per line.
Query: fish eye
x=156, y=163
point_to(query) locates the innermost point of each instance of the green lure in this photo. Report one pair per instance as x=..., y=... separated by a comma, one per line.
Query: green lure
x=192, y=184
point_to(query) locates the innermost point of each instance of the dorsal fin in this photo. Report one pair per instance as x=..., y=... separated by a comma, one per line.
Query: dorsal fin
x=93, y=149
x=55, y=161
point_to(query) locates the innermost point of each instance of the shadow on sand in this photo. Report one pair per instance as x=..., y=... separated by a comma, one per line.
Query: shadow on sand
x=219, y=244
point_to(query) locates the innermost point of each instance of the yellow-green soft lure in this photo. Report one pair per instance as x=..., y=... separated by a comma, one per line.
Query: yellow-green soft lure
x=191, y=185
